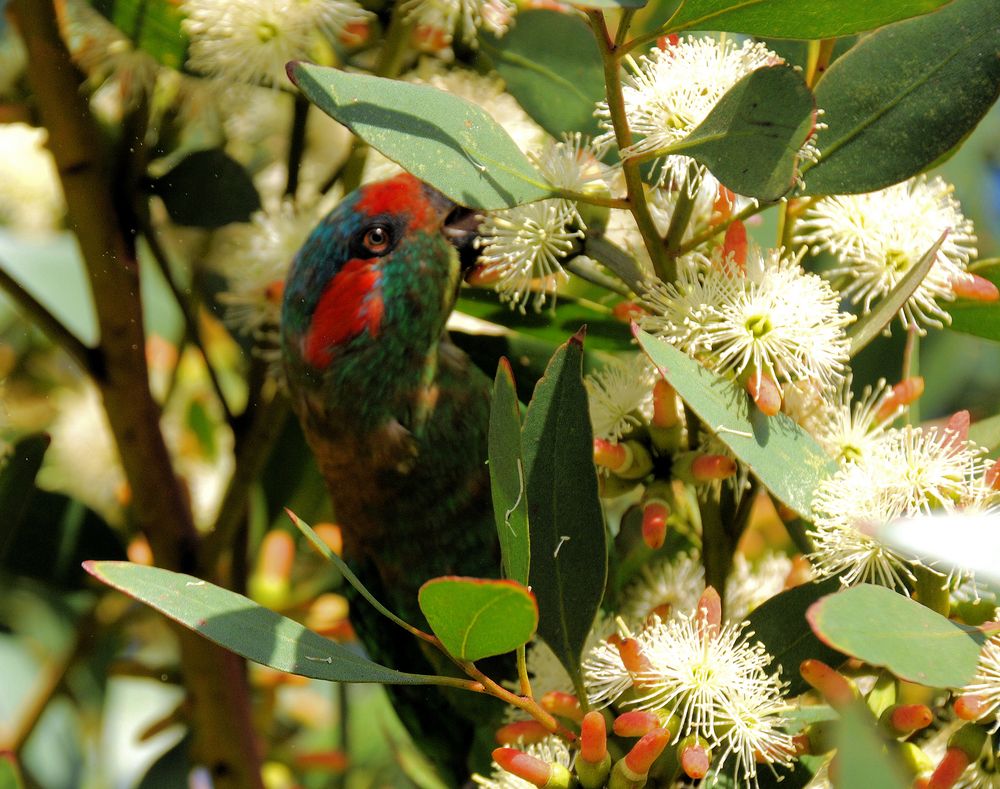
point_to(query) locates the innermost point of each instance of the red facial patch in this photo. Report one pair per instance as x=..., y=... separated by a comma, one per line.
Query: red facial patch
x=402, y=194
x=351, y=303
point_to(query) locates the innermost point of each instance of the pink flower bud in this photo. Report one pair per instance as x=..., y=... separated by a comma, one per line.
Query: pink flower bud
x=695, y=757
x=664, y=404
x=957, y=428
x=975, y=288
x=525, y=732
x=992, y=477
x=636, y=723
x=734, y=249
x=970, y=707
x=903, y=394
x=765, y=393
x=562, y=704
x=633, y=659
x=708, y=468
x=523, y=765
x=654, y=523
x=646, y=751
x=593, y=738
x=831, y=684
x=709, y=613
x=610, y=455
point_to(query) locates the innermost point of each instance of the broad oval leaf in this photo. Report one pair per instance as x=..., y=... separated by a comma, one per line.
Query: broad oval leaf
x=569, y=555
x=865, y=761
x=507, y=479
x=904, y=96
x=553, y=68
x=752, y=137
x=207, y=189
x=783, y=456
x=794, y=18
x=442, y=139
x=780, y=625
x=241, y=626
x=476, y=617
x=883, y=628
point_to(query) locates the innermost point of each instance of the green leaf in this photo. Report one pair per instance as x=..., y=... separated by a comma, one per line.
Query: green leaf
x=780, y=625
x=476, y=618
x=17, y=485
x=569, y=556
x=241, y=626
x=783, y=456
x=986, y=432
x=865, y=759
x=442, y=139
x=871, y=324
x=904, y=96
x=604, y=332
x=612, y=4
x=154, y=26
x=207, y=189
x=883, y=628
x=751, y=138
x=507, y=480
x=981, y=319
x=10, y=773
x=794, y=18
x=553, y=68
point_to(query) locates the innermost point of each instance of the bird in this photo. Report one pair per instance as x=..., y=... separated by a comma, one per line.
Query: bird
x=397, y=417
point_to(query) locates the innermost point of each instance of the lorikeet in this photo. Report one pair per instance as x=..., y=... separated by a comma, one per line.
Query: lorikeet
x=396, y=415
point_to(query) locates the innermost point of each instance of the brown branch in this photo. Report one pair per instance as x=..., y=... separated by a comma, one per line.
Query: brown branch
x=216, y=679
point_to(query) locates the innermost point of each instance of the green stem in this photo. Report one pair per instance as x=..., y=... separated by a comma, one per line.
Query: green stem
x=617, y=259
x=522, y=673
x=911, y=367
x=681, y=217
x=635, y=190
x=89, y=359
x=696, y=241
x=624, y=22
x=717, y=546
x=524, y=703
x=594, y=199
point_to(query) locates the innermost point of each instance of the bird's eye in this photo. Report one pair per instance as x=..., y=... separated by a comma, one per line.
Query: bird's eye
x=377, y=239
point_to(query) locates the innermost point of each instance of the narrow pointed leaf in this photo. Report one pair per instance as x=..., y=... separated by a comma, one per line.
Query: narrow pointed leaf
x=751, y=138
x=569, y=560
x=783, y=456
x=507, y=479
x=17, y=485
x=442, y=139
x=780, y=625
x=795, y=19
x=476, y=618
x=551, y=65
x=10, y=773
x=241, y=626
x=904, y=96
x=871, y=324
x=883, y=628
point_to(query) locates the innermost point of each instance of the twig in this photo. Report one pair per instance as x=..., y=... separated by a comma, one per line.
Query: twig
x=296, y=144
x=90, y=359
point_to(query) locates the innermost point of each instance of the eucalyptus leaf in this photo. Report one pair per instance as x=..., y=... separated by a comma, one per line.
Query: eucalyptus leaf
x=980, y=319
x=866, y=759
x=569, y=558
x=10, y=772
x=17, y=485
x=551, y=65
x=153, y=26
x=608, y=4
x=507, y=479
x=871, y=324
x=895, y=103
x=794, y=18
x=780, y=625
x=752, y=137
x=883, y=628
x=442, y=139
x=476, y=618
x=241, y=626
x=783, y=456
x=986, y=432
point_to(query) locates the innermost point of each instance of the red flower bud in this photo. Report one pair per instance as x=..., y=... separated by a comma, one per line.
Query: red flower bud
x=593, y=737
x=562, y=704
x=610, y=455
x=627, y=311
x=949, y=769
x=654, y=523
x=831, y=684
x=695, y=757
x=523, y=765
x=722, y=209
x=904, y=719
x=734, y=249
x=709, y=613
x=970, y=707
x=973, y=287
x=905, y=392
x=664, y=404
x=708, y=468
x=646, y=751
x=524, y=732
x=633, y=659
x=637, y=723
x=992, y=477
x=765, y=393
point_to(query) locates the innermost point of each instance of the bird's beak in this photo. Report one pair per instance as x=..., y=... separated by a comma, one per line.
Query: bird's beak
x=460, y=226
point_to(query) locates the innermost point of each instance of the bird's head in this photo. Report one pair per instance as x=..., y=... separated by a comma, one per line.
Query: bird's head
x=385, y=265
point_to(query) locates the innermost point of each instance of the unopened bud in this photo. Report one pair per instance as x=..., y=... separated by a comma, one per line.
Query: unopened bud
x=355, y=34
x=634, y=768
x=709, y=614
x=734, y=249
x=611, y=455
x=975, y=288
x=633, y=659
x=709, y=468
x=969, y=739
x=903, y=394
x=695, y=757
x=331, y=535
x=970, y=707
x=627, y=311
x=544, y=775
x=328, y=614
x=901, y=720
x=270, y=583
x=949, y=769
x=637, y=723
x=722, y=209
x=664, y=404
x=957, y=429
x=139, y=552
x=764, y=391
x=992, y=477
x=833, y=686
x=670, y=40
x=654, y=523
x=594, y=763
x=521, y=732
x=565, y=705
x=483, y=275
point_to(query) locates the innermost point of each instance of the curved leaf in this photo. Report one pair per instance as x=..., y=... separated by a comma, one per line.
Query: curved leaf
x=507, y=479
x=241, y=626
x=904, y=96
x=783, y=456
x=207, y=189
x=17, y=485
x=752, y=137
x=794, y=18
x=553, y=68
x=476, y=618
x=883, y=628
x=569, y=556
x=442, y=139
